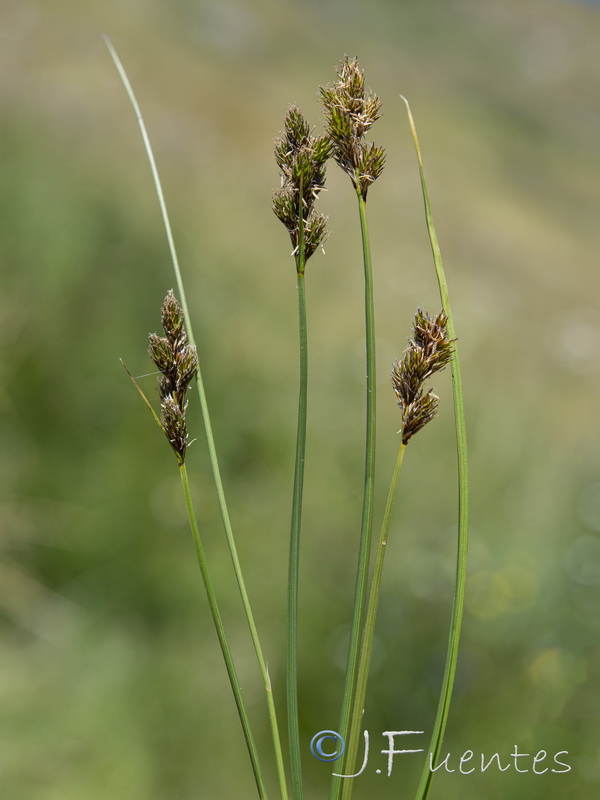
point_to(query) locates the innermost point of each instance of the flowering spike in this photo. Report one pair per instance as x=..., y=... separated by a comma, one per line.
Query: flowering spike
x=177, y=360
x=428, y=351
x=349, y=113
x=301, y=158
x=172, y=318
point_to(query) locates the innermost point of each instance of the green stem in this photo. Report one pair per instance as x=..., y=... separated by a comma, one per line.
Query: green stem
x=293, y=568
x=443, y=710
x=367, y=643
x=208, y=430
x=214, y=610
x=360, y=592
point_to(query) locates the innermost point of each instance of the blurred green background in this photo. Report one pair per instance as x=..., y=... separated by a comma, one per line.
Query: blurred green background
x=111, y=682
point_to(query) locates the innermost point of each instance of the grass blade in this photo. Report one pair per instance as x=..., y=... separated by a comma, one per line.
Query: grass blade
x=463, y=493
x=208, y=428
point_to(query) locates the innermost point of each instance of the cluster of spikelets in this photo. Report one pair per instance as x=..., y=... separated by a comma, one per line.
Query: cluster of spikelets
x=301, y=159
x=349, y=111
x=429, y=351
x=177, y=360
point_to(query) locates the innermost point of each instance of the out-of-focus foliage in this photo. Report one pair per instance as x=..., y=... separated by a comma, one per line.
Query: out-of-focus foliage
x=111, y=684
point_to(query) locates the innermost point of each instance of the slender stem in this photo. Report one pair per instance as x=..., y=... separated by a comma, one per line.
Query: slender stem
x=360, y=592
x=367, y=643
x=208, y=430
x=463, y=495
x=293, y=568
x=214, y=610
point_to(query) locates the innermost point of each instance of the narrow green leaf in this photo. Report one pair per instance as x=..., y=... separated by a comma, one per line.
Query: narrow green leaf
x=212, y=450
x=463, y=494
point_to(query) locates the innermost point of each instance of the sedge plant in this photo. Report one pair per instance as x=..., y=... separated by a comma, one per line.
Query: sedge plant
x=301, y=158
x=177, y=361
x=429, y=351
x=350, y=110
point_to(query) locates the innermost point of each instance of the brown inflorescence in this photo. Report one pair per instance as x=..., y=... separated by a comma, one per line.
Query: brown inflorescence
x=429, y=351
x=177, y=360
x=350, y=110
x=301, y=158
